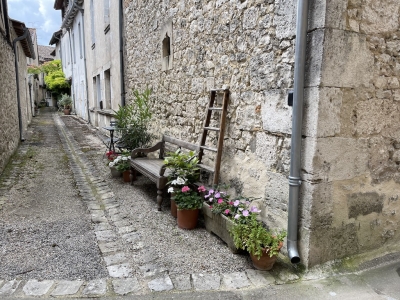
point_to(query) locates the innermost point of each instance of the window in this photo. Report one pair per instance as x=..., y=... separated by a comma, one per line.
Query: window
x=80, y=40
x=92, y=23
x=107, y=88
x=98, y=92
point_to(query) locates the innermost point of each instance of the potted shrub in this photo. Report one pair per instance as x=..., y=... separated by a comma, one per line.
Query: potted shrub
x=66, y=101
x=122, y=164
x=189, y=203
x=250, y=234
x=183, y=171
x=132, y=122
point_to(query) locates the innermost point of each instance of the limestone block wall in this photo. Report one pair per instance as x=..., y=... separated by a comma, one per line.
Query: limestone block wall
x=8, y=113
x=352, y=179
x=350, y=156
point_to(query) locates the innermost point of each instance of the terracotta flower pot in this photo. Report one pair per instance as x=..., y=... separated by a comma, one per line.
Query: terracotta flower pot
x=265, y=263
x=174, y=208
x=127, y=176
x=187, y=218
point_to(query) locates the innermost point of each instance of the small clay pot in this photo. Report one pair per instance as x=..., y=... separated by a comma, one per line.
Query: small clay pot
x=187, y=218
x=127, y=176
x=265, y=263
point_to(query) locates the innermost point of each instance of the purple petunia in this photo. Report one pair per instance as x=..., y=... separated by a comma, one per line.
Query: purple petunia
x=246, y=213
x=236, y=203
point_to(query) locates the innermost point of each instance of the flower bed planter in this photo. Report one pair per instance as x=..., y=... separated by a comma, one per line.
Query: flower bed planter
x=220, y=226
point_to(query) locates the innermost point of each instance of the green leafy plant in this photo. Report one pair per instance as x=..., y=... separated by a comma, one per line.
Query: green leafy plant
x=182, y=165
x=132, y=121
x=250, y=234
x=65, y=101
x=187, y=198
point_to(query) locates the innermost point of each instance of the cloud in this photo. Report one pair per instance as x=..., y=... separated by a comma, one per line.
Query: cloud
x=39, y=14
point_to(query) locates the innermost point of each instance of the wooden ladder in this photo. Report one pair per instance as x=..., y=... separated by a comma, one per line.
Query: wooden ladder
x=206, y=128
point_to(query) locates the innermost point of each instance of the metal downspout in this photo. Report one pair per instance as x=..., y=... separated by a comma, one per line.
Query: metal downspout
x=20, y=38
x=297, y=120
x=121, y=53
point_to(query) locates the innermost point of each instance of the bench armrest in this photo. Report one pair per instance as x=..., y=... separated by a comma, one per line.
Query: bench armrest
x=156, y=147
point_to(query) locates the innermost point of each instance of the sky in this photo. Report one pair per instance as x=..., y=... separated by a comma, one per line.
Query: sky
x=39, y=14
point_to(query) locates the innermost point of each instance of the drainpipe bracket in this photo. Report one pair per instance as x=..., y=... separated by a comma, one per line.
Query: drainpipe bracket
x=294, y=181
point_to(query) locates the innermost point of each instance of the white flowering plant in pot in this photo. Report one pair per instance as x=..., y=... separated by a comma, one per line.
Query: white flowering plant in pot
x=121, y=162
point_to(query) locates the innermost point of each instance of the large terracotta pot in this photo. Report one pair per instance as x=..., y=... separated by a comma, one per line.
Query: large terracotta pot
x=265, y=263
x=67, y=111
x=187, y=218
x=127, y=176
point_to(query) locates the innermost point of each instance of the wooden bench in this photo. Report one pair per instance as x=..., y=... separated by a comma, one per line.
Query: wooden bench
x=154, y=168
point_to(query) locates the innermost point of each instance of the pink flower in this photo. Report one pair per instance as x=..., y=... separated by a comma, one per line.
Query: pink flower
x=185, y=189
x=210, y=192
x=220, y=200
x=201, y=188
x=217, y=195
x=254, y=209
x=230, y=203
x=246, y=213
x=226, y=211
x=236, y=203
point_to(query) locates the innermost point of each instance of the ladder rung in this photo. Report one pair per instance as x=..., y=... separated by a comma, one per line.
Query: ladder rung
x=208, y=148
x=212, y=128
x=218, y=90
x=207, y=168
x=215, y=108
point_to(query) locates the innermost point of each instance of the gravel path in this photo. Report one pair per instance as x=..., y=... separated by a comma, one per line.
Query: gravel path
x=45, y=229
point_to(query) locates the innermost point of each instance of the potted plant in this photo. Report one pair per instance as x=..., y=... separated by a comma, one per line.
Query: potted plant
x=66, y=101
x=122, y=164
x=132, y=122
x=183, y=171
x=111, y=156
x=189, y=203
x=250, y=234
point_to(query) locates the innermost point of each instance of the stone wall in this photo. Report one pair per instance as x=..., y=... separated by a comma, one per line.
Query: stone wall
x=352, y=181
x=351, y=139
x=8, y=113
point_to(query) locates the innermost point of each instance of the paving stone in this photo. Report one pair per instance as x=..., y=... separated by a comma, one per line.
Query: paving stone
x=99, y=219
x=118, y=217
x=182, y=282
x=287, y=276
x=152, y=270
x=37, y=288
x=115, y=259
x=106, y=193
x=119, y=271
x=109, y=247
x=102, y=226
x=161, y=284
x=235, y=280
x=113, y=211
x=126, y=285
x=97, y=213
x=131, y=237
x=9, y=287
x=122, y=223
x=204, y=282
x=111, y=205
x=95, y=287
x=127, y=229
x=66, y=287
x=260, y=278
x=105, y=235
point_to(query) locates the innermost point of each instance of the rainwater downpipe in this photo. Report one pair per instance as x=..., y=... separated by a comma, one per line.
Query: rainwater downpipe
x=297, y=120
x=121, y=52
x=20, y=38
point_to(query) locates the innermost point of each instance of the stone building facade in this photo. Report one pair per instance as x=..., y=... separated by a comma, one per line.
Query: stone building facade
x=9, y=117
x=351, y=145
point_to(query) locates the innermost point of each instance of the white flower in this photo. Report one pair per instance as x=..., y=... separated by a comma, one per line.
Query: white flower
x=180, y=181
x=171, y=190
x=125, y=158
x=111, y=164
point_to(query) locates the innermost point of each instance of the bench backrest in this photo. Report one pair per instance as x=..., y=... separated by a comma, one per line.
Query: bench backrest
x=179, y=143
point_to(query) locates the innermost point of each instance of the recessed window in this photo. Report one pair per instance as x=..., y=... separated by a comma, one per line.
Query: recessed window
x=166, y=46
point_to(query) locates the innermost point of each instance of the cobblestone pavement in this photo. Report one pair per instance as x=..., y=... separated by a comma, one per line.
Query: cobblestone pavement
x=119, y=259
